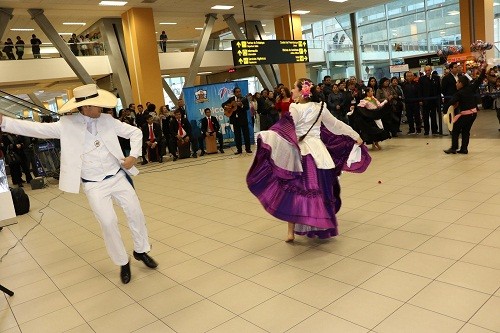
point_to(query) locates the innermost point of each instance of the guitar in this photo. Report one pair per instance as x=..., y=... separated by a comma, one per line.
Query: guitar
x=230, y=108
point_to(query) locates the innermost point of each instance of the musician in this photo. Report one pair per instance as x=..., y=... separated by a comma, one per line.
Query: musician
x=210, y=126
x=239, y=119
x=181, y=132
x=151, y=139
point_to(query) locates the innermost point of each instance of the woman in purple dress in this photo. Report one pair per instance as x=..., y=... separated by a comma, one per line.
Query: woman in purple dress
x=295, y=171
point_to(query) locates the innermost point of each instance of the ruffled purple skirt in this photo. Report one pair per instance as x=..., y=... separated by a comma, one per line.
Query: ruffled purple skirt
x=310, y=198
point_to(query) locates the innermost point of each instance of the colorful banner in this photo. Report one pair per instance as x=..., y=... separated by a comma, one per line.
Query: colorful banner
x=198, y=98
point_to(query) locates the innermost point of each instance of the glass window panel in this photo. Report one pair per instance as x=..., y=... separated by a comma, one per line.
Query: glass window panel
x=317, y=29
x=439, y=3
x=403, y=7
x=441, y=38
x=407, y=25
x=445, y=17
x=368, y=15
x=414, y=43
x=374, y=32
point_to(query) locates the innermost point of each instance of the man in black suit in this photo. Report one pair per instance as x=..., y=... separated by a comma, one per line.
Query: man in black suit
x=430, y=92
x=449, y=83
x=210, y=126
x=239, y=120
x=180, y=130
x=151, y=138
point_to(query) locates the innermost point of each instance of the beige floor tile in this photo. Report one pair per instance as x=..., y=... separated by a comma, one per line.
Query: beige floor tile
x=237, y=325
x=23, y=279
x=479, y=220
x=127, y=319
x=483, y=255
x=461, y=205
x=314, y=260
x=464, y=233
x=446, y=248
x=284, y=251
x=8, y=321
x=87, y=289
x=57, y=321
x=318, y=291
x=457, y=302
x=409, y=318
x=232, y=235
x=281, y=277
x=31, y=291
x=201, y=246
x=213, y=316
x=140, y=288
x=395, y=284
x=27, y=311
x=204, y=284
x=469, y=328
x=171, y=258
x=187, y=270
x=487, y=316
x=255, y=243
x=403, y=239
x=425, y=227
x=367, y=232
x=322, y=322
x=379, y=206
x=358, y=215
x=487, y=208
x=422, y=264
x=223, y=256
x=242, y=297
x=408, y=210
x=290, y=314
x=480, y=278
x=389, y=221
x=379, y=254
x=363, y=307
x=102, y=304
x=182, y=239
x=85, y=328
x=351, y=271
x=442, y=215
x=156, y=327
x=492, y=240
x=249, y=266
x=170, y=301
x=342, y=246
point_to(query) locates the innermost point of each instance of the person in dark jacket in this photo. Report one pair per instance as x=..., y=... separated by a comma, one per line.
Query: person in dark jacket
x=430, y=92
x=8, y=48
x=465, y=117
x=412, y=98
x=35, y=46
x=19, y=48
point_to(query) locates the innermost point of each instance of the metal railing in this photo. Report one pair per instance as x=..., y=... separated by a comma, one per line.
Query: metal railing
x=48, y=50
x=16, y=107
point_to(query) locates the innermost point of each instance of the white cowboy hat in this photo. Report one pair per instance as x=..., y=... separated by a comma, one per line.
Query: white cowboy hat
x=448, y=117
x=89, y=95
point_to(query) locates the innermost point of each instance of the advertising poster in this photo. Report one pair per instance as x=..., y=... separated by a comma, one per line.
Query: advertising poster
x=211, y=96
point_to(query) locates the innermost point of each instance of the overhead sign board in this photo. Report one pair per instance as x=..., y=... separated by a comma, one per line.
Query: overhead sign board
x=399, y=68
x=263, y=52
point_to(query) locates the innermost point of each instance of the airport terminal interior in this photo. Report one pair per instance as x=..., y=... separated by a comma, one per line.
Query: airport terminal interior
x=418, y=248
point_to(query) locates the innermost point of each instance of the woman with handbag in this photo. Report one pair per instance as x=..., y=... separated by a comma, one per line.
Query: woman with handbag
x=295, y=171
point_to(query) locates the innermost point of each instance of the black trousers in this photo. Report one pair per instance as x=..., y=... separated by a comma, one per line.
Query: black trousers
x=413, y=117
x=462, y=127
x=240, y=128
x=430, y=111
x=220, y=140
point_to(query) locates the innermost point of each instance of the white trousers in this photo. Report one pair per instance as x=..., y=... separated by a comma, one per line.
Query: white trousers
x=100, y=196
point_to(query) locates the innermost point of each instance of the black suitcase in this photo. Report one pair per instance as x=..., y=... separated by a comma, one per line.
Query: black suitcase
x=21, y=201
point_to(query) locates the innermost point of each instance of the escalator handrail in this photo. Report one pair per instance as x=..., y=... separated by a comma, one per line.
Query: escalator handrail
x=31, y=105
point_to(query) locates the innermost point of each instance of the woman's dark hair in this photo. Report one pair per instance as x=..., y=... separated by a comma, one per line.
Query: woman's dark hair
x=368, y=88
x=382, y=81
x=151, y=107
x=287, y=92
x=395, y=78
x=375, y=80
x=463, y=80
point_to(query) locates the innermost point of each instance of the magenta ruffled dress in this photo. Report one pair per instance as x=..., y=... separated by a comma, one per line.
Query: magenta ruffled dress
x=294, y=182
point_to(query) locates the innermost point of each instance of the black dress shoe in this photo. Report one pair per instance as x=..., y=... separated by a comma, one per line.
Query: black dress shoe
x=248, y=151
x=450, y=151
x=144, y=162
x=238, y=153
x=194, y=155
x=175, y=158
x=462, y=151
x=221, y=151
x=125, y=274
x=202, y=153
x=147, y=260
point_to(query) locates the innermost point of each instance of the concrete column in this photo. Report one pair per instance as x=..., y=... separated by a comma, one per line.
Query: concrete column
x=142, y=56
x=290, y=28
x=5, y=17
x=476, y=22
x=39, y=17
x=169, y=91
x=356, y=46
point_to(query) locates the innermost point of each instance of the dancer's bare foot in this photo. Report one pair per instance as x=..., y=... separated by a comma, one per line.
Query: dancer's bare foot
x=290, y=239
x=378, y=146
x=291, y=233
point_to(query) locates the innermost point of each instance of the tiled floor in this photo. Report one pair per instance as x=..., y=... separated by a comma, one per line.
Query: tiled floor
x=419, y=251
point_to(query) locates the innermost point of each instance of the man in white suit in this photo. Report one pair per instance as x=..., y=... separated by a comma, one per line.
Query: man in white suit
x=91, y=156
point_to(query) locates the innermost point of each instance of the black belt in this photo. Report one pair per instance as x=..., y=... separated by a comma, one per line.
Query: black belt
x=95, y=181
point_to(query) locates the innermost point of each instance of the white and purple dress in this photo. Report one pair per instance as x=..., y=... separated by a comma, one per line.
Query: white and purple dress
x=298, y=181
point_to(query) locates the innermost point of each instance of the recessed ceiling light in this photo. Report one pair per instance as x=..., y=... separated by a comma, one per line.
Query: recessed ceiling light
x=496, y=4
x=168, y=23
x=453, y=12
x=419, y=21
x=112, y=3
x=74, y=23
x=264, y=25
x=203, y=73
x=222, y=7
x=22, y=29
x=449, y=23
x=338, y=0
x=442, y=32
x=339, y=65
x=64, y=33
x=198, y=28
x=301, y=12
x=317, y=66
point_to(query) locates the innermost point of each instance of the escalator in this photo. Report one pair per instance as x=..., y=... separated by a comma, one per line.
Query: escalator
x=16, y=107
